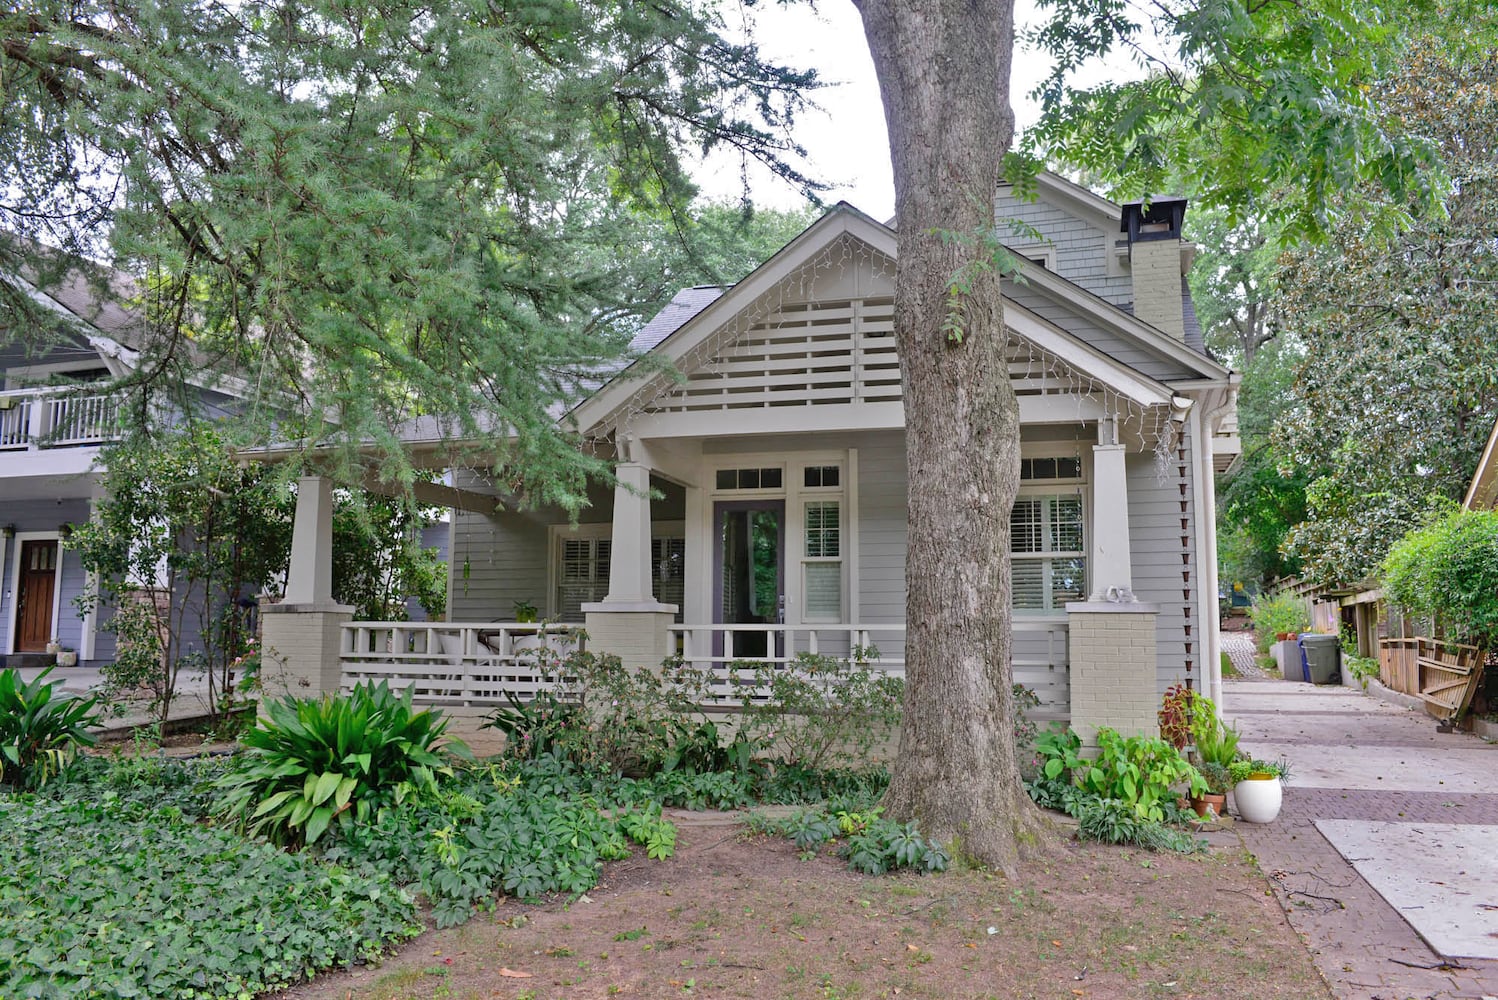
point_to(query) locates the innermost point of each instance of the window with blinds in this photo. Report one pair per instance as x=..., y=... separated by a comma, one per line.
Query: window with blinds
x=668, y=559
x=822, y=564
x=583, y=573
x=1047, y=551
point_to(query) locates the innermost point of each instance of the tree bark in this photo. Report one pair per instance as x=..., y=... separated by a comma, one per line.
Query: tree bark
x=943, y=69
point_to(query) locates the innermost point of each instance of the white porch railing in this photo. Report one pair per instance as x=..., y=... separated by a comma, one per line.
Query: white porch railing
x=452, y=663
x=51, y=418
x=732, y=653
x=459, y=663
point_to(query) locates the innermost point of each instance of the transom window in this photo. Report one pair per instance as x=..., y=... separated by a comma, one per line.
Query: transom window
x=770, y=478
x=1067, y=467
x=821, y=476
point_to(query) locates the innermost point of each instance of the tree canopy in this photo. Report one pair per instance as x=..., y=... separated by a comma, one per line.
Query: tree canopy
x=1397, y=389
x=369, y=212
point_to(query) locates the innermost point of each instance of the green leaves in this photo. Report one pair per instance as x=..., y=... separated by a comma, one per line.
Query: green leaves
x=1447, y=572
x=1254, y=108
x=454, y=208
x=39, y=734
x=112, y=898
x=343, y=759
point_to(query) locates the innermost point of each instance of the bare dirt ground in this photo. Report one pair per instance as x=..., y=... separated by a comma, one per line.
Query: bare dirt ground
x=736, y=915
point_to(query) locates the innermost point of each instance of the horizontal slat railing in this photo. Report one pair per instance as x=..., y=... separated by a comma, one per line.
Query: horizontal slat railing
x=452, y=663
x=479, y=663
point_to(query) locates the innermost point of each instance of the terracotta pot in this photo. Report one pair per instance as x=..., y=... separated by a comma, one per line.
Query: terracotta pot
x=1258, y=798
x=1212, y=801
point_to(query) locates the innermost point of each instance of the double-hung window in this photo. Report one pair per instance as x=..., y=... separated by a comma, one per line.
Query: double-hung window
x=822, y=543
x=1048, y=550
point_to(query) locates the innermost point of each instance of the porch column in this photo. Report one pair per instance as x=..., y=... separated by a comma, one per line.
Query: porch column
x=629, y=622
x=309, y=579
x=629, y=557
x=301, y=638
x=1111, y=643
x=1112, y=568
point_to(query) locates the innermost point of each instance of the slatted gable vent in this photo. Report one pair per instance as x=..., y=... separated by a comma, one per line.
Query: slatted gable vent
x=830, y=352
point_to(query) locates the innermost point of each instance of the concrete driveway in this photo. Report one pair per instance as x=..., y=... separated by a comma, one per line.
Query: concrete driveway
x=1386, y=852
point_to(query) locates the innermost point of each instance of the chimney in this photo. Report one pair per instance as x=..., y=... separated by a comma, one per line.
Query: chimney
x=1158, y=258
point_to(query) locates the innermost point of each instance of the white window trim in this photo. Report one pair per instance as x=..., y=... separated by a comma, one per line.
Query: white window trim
x=1054, y=487
x=795, y=495
x=592, y=530
x=15, y=583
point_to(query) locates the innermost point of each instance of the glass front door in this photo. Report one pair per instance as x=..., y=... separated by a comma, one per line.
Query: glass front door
x=749, y=573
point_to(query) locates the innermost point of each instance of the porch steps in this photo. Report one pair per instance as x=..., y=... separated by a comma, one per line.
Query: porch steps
x=22, y=661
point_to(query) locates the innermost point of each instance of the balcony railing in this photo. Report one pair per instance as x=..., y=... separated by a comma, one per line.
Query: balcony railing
x=31, y=419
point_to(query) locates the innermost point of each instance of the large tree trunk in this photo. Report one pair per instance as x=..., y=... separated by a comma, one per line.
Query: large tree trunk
x=943, y=70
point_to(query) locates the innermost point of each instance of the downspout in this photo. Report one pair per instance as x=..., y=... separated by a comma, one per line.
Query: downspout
x=1210, y=578
x=1206, y=559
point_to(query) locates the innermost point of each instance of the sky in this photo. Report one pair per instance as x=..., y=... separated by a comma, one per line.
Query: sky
x=846, y=139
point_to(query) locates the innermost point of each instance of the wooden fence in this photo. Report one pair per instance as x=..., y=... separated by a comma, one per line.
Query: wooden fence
x=1444, y=675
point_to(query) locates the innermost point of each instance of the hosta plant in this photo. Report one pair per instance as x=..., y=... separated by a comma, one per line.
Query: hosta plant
x=39, y=734
x=312, y=763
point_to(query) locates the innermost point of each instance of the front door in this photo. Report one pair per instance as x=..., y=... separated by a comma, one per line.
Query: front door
x=36, y=586
x=750, y=573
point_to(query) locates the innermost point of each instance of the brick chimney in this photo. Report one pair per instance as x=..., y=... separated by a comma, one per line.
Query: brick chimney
x=1158, y=258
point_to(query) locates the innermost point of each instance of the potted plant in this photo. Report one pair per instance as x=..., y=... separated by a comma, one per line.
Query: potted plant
x=1213, y=802
x=1216, y=748
x=67, y=657
x=1257, y=791
x=525, y=612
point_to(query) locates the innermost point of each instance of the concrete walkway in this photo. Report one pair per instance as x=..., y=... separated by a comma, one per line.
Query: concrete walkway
x=1384, y=854
x=190, y=701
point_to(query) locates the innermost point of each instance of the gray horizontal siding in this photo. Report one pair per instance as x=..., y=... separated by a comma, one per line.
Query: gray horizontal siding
x=1165, y=570
x=503, y=558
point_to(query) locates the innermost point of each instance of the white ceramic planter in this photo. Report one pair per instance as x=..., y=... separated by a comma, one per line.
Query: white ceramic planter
x=1259, y=799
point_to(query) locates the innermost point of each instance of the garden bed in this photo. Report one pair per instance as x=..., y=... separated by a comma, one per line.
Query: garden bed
x=739, y=915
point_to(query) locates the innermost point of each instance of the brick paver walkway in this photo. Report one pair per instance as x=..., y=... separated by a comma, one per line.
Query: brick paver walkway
x=1242, y=653
x=1361, y=944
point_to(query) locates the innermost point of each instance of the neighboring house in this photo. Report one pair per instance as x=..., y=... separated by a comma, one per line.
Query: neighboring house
x=49, y=441
x=1483, y=493
x=777, y=473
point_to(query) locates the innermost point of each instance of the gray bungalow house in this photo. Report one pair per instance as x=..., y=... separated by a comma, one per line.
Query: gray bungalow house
x=50, y=439
x=760, y=510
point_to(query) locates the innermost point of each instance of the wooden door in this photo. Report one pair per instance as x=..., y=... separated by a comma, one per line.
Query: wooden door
x=38, y=583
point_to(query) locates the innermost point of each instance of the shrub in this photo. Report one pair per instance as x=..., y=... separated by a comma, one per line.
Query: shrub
x=1112, y=821
x=603, y=716
x=870, y=843
x=39, y=734
x=1276, y=613
x=823, y=709
x=1139, y=771
x=1448, y=571
x=312, y=762
x=1219, y=745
